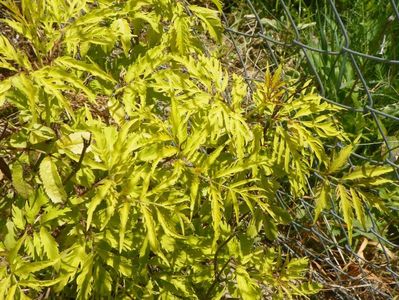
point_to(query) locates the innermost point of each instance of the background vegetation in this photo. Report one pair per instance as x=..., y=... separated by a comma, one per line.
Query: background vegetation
x=306, y=37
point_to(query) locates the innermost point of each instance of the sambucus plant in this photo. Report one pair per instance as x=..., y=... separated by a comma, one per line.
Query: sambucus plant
x=139, y=168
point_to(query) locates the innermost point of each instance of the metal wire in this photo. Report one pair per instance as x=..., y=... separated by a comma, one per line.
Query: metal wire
x=345, y=271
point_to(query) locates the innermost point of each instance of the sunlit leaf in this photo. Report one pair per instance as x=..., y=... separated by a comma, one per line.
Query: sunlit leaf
x=22, y=187
x=340, y=160
x=52, y=180
x=346, y=208
x=366, y=171
x=101, y=192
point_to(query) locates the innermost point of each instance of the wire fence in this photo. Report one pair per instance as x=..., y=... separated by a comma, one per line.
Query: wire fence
x=345, y=76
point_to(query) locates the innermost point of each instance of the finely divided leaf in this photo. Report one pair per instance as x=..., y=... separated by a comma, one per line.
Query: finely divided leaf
x=180, y=32
x=246, y=286
x=341, y=159
x=22, y=187
x=92, y=68
x=51, y=181
x=150, y=226
x=219, y=4
x=296, y=268
x=102, y=191
x=124, y=216
x=36, y=284
x=346, y=209
x=5, y=85
x=367, y=171
x=210, y=20
x=357, y=204
x=123, y=28
x=74, y=142
x=49, y=244
x=33, y=267
x=216, y=207
x=321, y=200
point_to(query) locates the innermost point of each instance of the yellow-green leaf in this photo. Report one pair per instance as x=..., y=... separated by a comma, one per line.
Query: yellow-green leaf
x=150, y=226
x=166, y=226
x=216, y=212
x=124, y=216
x=322, y=200
x=219, y=4
x=49, y=244
x=346, y=209
x=357, y=204
x=193, y=194
x=102, y=191
x=210, y=20
x=92, y=68
x=123, y=28
x=11, y=292
x=51, y=180
x=22, y=187
x=33, y=267
x=247, y=287
x=367, y=171
x=341, y=159
x=74, y=142
x=40, y=283
x=5, y=85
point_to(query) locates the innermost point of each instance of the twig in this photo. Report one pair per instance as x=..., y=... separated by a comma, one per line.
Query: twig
x=215, y=261
x=5, y=169
x=3, y=133
x=215, y=258
x=86, y=144
x=217, y=277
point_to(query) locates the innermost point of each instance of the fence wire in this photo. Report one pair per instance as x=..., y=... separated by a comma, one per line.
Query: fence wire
x=369, y=269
